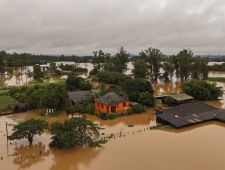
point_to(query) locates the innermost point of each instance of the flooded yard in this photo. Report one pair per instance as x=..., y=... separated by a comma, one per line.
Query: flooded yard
x=198, y=147
x=134, y=147
x=139, y=147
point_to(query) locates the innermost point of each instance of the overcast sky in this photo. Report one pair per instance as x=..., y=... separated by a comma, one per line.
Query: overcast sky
x=82, y=26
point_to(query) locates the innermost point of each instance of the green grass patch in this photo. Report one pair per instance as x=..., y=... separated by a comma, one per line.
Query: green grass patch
x=220, y=79
x=6, y=102
x=4, y=92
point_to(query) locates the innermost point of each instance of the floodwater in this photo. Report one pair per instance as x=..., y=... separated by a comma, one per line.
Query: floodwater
x=134, y=147
x=15, y=77
x=18, y=76
x=138, y=147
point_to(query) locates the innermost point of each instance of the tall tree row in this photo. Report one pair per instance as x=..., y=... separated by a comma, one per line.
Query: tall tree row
x=184, y=65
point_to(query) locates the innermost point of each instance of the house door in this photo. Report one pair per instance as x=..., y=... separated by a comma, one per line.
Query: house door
x=113, y=109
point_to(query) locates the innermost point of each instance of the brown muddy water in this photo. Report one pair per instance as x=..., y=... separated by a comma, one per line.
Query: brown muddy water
x=198, y=147
x=18, y=76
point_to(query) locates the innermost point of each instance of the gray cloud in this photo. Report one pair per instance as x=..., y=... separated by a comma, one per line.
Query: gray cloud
x=82, y=26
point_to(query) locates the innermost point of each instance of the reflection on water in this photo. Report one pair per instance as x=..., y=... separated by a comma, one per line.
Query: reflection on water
x=15, y=77
x=216, y=74
x=24, y=158
x=18, y=76
x=73, y=158
x=192, y=148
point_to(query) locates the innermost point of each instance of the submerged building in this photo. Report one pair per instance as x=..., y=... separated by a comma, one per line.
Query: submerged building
x=190, y=113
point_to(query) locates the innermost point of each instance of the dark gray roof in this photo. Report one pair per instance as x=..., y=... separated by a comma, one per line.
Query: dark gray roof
x=111, y=98
x=191, y=113
x=181, y=97
x=189, y=108
x=79, y=95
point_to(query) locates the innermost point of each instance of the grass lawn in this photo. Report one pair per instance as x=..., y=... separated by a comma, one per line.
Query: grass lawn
x=6, y=101
x=4, y=92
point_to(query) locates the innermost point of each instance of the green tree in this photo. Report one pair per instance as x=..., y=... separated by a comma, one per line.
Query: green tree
x=74, y=132
x=55, y=97
x=146, y=99
x=98, y=60
x=120, y=60
x=112, y=77
x=53, y=67
x=175, y=63
x=138, y=108
x=37, y=72
x=185, y=60
x=108, y=65
x=2, y=63
x=168, y=69
x=28, y=129
x=200, y=68
x=34, y=96
x=134, y=87
x=74, y=83
x=70, y=108
x=140, y=69
x=153, y=58
x=202, y=90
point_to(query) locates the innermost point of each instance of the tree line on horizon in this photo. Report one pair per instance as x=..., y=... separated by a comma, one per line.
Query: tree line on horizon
x=26, y=59
x=150, y=62
x=153, y=64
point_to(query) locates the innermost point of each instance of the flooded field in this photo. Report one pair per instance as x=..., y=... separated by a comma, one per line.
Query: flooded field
x=19, y=76
x=139, y=147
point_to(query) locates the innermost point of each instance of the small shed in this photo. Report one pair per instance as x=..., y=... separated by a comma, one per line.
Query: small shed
x=78, y=96
x=181, y=97
x=177, y=99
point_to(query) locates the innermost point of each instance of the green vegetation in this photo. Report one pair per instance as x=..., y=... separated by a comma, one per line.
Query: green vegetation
x=98, y=61
x=105, y=62
x=112, y=77
x=108, y=116
x=146, y=99
x=217, y=67
x=25, y=59
x=73, y=68
x=168, y=70
x=50, y=96
x=37, y=74
x=138, y=108
x=74, y=132
x=140, y=69
x=4, y=92
x=6, y=102
x=153, y=57
x=202, y=90
x=134, y=87
x=28, y=129
x=219, y=79
x=184, y=60
x=200, y=68
x=74, y=83
x=120, y=60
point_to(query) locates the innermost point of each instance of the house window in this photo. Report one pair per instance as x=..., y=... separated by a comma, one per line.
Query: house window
x=102, y=106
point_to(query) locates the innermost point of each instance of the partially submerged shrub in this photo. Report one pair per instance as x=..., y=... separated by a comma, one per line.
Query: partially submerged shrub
x=138, y=108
